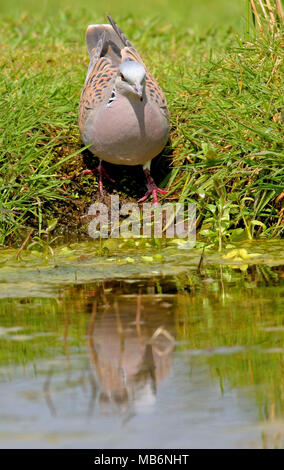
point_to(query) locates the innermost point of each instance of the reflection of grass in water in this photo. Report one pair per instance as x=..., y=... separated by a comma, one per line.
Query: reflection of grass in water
x=248, y=315
x=217, y=309
x=48, y=321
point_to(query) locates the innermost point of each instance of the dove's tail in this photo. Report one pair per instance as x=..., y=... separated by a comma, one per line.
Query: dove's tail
x=106, y=40
x=119, y=33
x=105, y=32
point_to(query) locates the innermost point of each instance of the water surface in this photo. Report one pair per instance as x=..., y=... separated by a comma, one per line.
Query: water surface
x=171, y=357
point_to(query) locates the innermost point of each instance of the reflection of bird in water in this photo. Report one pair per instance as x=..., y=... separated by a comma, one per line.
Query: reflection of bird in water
x=129, y=358
x=130, y=353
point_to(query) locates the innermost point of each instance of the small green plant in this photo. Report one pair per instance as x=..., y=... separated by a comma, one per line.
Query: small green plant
x=42, y=244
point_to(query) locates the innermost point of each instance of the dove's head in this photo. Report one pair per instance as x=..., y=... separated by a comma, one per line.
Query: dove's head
x=131, y=79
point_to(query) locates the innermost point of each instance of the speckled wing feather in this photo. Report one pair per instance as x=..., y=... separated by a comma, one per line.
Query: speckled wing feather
x=98, y=85
x=153, y=89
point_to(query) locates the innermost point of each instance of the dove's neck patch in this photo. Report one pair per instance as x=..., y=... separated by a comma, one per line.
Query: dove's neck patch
x=112, y=97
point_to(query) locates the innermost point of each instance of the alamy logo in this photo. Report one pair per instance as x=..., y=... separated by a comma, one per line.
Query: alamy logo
x=142, y=220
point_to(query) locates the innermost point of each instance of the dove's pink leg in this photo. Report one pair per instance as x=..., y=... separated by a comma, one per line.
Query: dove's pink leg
x=101, y=171
x=152, y=188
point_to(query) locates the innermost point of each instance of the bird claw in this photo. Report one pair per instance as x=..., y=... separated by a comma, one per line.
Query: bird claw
x=87, y=172
x=101, y=171
x=152, y=189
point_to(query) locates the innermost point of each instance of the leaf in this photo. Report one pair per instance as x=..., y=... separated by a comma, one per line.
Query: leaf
x=231, y=254
x=158, y=257
x=211, y=154
x=237, y=234
x=212, y=208
x=257, y=222
x=51, y=225
x=243, y=253
x=66, y=250
x=147, y=259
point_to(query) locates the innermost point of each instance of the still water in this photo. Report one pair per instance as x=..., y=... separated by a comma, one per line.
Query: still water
x=192, y=359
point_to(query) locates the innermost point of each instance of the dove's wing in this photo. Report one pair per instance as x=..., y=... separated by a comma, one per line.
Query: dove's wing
x=129, y=52
x=104, y=60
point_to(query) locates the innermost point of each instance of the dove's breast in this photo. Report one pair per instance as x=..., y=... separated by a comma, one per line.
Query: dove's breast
x=127, y=131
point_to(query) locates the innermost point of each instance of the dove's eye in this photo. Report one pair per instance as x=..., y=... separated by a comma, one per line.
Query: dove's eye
x=122, y=77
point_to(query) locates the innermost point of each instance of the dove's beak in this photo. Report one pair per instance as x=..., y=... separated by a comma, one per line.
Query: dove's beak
x=138, y=89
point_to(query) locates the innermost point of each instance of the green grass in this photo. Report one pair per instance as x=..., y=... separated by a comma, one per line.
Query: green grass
x=224, y=87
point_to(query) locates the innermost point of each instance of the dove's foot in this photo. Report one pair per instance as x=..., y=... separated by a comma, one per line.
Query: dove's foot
x=152, y=189
x=101, y=171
